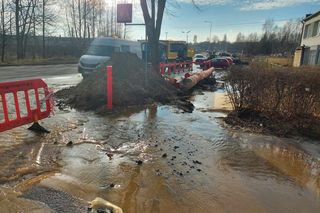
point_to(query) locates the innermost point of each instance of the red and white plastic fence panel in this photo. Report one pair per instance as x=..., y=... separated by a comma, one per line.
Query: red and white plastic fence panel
x=24, y=102
x=187, y=66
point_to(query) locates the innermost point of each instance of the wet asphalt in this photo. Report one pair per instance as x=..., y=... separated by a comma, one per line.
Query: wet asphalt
x=9, y=73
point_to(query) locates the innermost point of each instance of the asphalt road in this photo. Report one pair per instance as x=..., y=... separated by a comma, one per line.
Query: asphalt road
x=8, y=73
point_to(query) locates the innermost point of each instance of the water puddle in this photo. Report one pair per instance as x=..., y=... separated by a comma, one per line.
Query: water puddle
x=160, y=160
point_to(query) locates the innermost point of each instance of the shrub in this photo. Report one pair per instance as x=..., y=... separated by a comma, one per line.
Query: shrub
x=282, y=91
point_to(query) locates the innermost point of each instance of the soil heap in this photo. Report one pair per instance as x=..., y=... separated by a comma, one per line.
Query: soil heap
x=129, y=86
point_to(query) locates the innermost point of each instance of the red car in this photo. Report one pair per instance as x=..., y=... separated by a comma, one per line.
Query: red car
x=230, y=60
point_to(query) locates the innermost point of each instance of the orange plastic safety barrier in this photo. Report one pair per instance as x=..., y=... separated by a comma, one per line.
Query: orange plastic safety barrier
x=182, y=67
x=26, y=106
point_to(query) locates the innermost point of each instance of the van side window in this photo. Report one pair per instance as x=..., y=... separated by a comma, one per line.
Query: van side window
x=125, y=48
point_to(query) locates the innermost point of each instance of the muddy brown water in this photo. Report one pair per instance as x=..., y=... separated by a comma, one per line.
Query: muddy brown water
x=208, y=166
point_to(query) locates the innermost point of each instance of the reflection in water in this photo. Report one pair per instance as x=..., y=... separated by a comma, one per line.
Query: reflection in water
x=189, y=163
x=213, y=102
x=152, y=113
x=266, y=156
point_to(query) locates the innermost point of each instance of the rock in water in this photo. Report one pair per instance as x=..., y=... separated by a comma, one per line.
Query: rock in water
x=70, y=143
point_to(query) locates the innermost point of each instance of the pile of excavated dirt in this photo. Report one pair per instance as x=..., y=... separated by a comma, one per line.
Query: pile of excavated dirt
x=129, y=86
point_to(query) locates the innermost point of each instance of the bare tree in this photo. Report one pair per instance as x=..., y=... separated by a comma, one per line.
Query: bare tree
x=153, y=21
x=240, y=37
x=23, y=10
x=93, y=17
x=47, y=18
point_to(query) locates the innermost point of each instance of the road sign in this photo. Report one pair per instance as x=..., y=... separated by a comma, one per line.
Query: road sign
x=124, y=13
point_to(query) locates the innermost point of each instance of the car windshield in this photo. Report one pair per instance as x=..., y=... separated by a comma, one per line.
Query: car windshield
x=100, y=50
x=199, y=56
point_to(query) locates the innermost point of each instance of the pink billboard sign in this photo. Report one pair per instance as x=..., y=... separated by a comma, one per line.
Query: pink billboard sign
x=124, y=13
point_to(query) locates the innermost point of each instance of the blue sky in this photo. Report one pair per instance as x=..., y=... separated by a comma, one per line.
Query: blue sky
x=227, y=16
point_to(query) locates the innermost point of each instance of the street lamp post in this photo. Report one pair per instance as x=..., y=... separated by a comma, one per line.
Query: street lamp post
x=210, y=22
x=187, y=32
x=210, y=39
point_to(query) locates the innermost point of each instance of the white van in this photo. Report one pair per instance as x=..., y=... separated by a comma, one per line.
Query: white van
x=101, y=50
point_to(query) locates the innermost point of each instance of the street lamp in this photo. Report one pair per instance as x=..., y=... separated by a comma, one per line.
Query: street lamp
x=187, y=32
x=210, y=22
x=210, y=39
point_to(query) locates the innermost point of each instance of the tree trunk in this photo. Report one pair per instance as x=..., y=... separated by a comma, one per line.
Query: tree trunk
x=10, y=24
x=74, y=28
x=18, y=38
x=43, y=30
x=153, y=28
x=84, y=18
x=93, y=23
x=80, y=18
x=3, y=32
x=34, y=36
x=107, y=24
x=111, y=22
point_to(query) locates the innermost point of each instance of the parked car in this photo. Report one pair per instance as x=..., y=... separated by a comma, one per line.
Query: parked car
x=225, y=54
x=237, y=61
x=199, y=58
x=220, y=63
x=230, y=60
x=101, y=50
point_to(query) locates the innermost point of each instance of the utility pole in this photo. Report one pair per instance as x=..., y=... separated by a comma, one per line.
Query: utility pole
x=166, y=35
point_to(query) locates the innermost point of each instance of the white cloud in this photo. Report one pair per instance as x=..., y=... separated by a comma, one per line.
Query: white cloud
x=271, y=4
x=206, y=2
x=251, y=4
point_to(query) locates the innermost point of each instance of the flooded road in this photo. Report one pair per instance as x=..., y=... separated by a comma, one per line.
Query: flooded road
x=190, y=162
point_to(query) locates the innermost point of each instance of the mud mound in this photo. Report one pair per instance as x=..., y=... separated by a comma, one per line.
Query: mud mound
x=129, y=86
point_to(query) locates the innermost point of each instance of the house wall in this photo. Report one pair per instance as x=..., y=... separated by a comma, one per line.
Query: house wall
x=311, y=42
x=297, y=58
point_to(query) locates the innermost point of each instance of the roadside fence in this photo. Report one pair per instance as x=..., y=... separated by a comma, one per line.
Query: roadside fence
x=24, y=102
x=182, y=67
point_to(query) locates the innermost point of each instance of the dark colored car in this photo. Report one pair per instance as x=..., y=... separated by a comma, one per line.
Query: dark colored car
x=220, y=63
x=237, y=61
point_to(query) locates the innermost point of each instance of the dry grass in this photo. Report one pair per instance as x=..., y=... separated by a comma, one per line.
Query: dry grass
x=281, y=61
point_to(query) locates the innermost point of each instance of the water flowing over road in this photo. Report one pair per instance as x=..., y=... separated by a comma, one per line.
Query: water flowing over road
x=191, y=162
